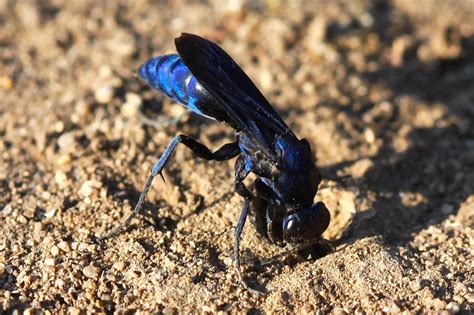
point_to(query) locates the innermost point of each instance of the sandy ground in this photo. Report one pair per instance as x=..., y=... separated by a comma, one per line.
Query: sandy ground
x=384, y=92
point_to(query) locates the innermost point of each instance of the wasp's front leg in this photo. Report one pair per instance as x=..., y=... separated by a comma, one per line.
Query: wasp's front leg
x=241, y=173
x=271, y=215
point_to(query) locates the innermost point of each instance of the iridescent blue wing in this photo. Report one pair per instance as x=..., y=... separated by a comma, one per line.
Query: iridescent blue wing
x=218, y=73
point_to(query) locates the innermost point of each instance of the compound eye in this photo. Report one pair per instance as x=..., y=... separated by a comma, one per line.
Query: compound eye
x=305, y=225
x=290, y=227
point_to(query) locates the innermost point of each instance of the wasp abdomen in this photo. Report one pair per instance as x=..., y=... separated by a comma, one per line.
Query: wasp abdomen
x=169, y=74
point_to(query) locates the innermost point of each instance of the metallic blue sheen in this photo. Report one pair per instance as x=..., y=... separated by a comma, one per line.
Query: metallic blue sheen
x=147, y=71
x=169, y=75
x=208, y=81
x=294, y=155
x=194, y=88
x=179, y=75
x=163, y=74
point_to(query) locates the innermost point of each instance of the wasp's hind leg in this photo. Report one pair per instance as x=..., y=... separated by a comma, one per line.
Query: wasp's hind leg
x=226, y=152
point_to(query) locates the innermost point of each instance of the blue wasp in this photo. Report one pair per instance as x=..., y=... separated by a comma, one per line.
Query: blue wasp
x=205, y=79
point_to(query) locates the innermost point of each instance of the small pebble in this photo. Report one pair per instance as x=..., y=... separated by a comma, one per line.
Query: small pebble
x=228, y=261
x=132, y=104
x=50, y=262
x=83, y=108
x=6, y=83
x=66, y=141
x=458, y=299
x=92, y=248
x=266, y=80
x=37, y=228
x=394, y=308
x=134, y=274
x=64, y=159
x=89, y=285
x=91, y=272
x=469, y=297
x=64, y=246
x=83, y=247
x=369, y=135
x=46, y=195
x=50, y=213
x=21, y=219
x=54, y=251
x=453, y=307
x=59, y=283
x=206, y=309
x=61, y=179
x=27, y=281
x=59, y=127
x=439, y=304
x=7, y=209
x=104, y=94
x=88, y=188
x=360, y=167
x=119, y=265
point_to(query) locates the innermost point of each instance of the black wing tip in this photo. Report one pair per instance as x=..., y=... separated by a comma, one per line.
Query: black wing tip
x=184, y=35
x=187, y=38
x=188, y=46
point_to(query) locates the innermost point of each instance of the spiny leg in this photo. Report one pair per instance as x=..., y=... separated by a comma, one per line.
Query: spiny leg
x=272, y=219
x=238, y=233
x=227, y=151
x=240, y=174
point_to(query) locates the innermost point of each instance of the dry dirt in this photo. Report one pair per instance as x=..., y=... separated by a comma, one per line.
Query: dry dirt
x=384, y=91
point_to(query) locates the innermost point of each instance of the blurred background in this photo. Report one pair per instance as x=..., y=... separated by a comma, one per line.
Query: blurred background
x=383, y=90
